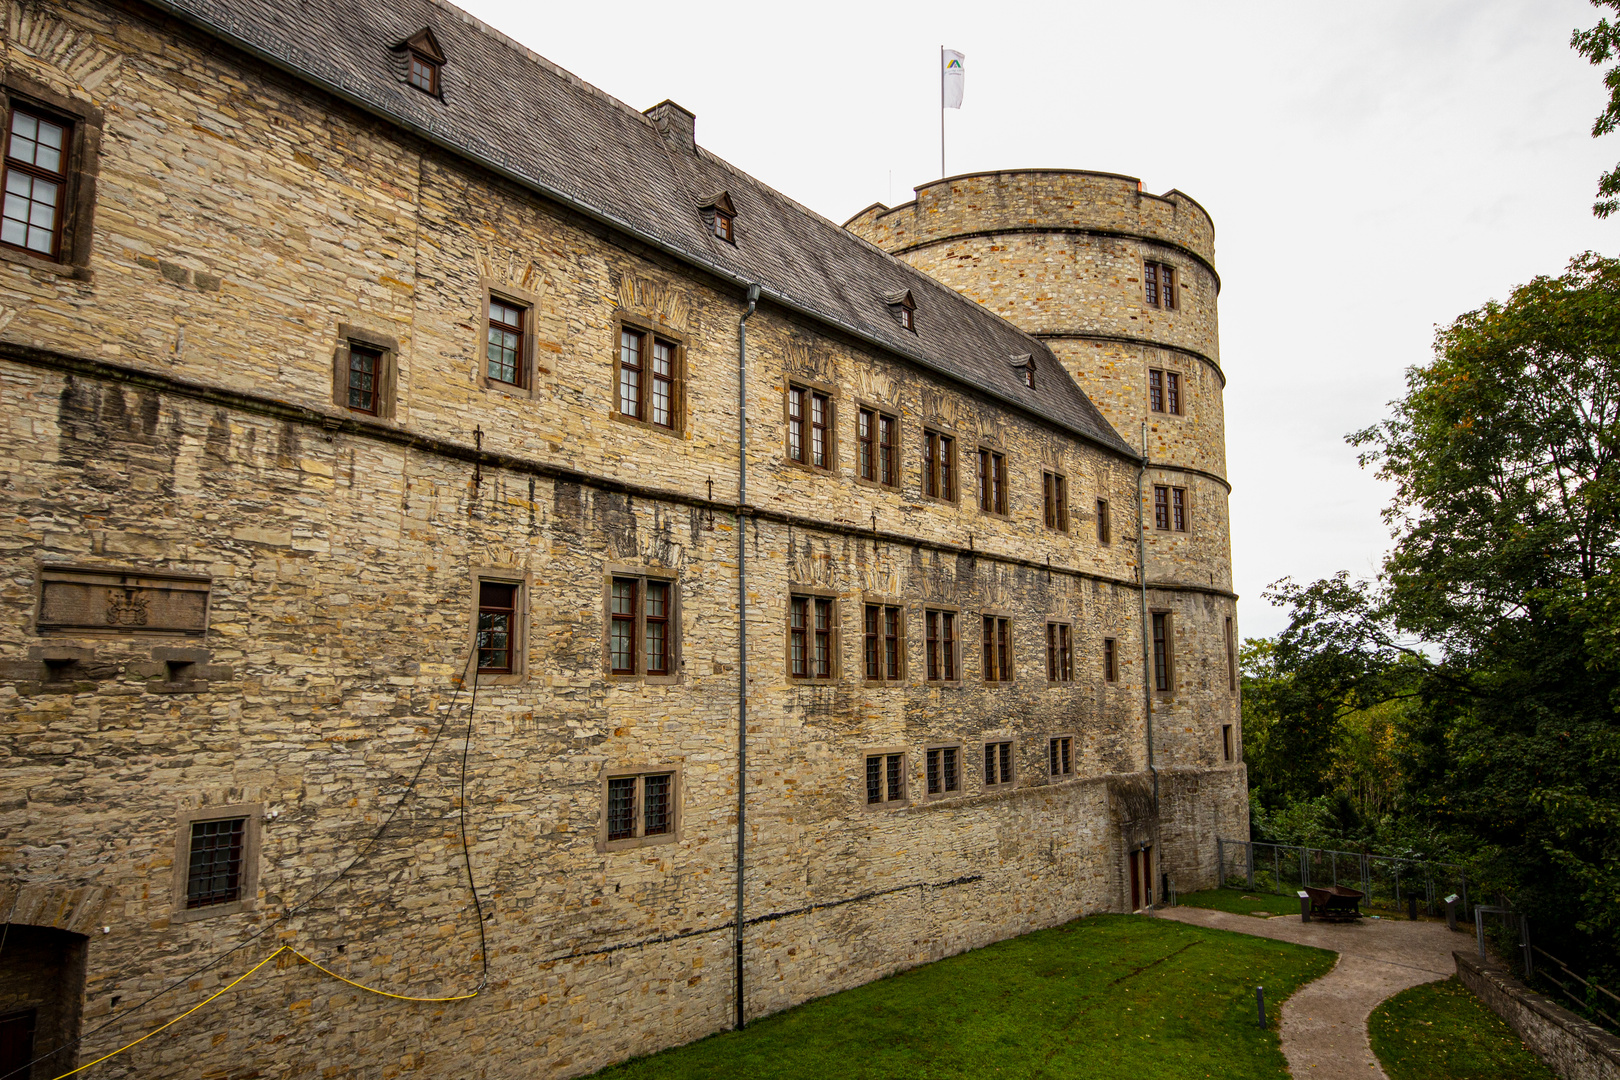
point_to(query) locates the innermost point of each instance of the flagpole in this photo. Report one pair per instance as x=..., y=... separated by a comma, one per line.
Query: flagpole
x=942, y=111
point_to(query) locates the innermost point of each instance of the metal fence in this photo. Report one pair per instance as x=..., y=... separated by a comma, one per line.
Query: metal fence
x=1388, y=881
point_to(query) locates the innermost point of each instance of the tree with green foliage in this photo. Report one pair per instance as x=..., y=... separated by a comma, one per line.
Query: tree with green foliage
x=1497, y=617
x=1600, y=45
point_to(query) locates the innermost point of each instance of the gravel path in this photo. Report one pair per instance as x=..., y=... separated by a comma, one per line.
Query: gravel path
x=1324, y=1025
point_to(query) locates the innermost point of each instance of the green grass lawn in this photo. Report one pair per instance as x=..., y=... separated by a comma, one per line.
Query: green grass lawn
x=1112, y=996
x=1240, y=903
x=1440, y=1031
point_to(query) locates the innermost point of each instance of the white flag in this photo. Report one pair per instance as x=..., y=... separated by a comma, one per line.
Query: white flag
x=950, y=88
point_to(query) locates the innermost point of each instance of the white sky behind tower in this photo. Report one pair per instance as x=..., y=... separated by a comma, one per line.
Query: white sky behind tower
x=1374, y=170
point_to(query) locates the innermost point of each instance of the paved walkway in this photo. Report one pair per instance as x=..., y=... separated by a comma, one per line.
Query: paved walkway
x=1324, y=1025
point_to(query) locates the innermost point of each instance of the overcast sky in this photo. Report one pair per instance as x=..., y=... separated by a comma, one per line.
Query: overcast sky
x=1374, y=170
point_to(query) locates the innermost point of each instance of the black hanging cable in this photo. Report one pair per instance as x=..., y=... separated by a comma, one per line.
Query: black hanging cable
x=22, y=1070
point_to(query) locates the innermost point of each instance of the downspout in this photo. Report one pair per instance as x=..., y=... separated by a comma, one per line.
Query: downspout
x=742, y=633
x=1147, y=622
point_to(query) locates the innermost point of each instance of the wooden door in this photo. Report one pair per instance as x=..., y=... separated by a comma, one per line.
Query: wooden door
x=16, y=1044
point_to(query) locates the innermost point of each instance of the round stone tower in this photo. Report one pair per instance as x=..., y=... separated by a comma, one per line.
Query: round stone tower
x=1122, y=286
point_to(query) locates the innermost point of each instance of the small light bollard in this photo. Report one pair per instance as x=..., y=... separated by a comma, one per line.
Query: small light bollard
x=1451, y=912
x=1260, y=1004
x=1304, y=906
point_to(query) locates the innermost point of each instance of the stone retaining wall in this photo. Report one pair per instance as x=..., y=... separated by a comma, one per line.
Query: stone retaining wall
x=1573, y=1048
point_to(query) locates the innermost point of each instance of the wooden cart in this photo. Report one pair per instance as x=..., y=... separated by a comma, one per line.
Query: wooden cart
x=1334, y=903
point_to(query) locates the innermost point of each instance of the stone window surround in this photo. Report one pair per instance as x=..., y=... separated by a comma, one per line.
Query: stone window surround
x=603, y=844
x=949, y=609
x=642, y=323
x=1074, y=650
x=1012, y=759
x=814, y=592
x=882, y=601
x=834, y=405
x=878, y=411
x=502, y=575
x=1169, y=651
x=1011, y=674
x=642, y=573
x=84, y=166
x=955, y=498
x=995, y=448
x=1186, y=508
x=529, y=302
x=1051, y=479
x=961, y=771
x=387, y=376
x=254, y=813
x=1074, y=762
x=1155, y=415
x=905, y=778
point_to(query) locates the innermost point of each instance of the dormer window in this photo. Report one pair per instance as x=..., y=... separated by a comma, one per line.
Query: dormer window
x=423, y=59
x=424, y=73
x=1025, y=366
x=904, y=308
x=719, y=215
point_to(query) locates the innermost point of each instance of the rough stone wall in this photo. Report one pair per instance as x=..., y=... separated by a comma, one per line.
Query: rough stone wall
x=1573, y=1048
x=240, y=223
x=1061, y=254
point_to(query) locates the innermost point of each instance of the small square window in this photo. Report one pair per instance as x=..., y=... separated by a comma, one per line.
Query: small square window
x=885, y=779
x=363, y=372
x=998, y=764
x=423, y=74
x=214, y=870
x=722, y=227
x=903, y=306
x=1060, y=755
x=639, y=809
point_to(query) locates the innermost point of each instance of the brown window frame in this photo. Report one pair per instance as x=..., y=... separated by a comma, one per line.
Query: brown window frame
x=721, y=224
x=1164, y=652
x=524, y=370
x=638, y=837
x=644, y=581
x=384, y=379
x=1059, y=652
x=877, y=461
x=996, y=648
x=1170, y=510
x=939, y=466
x=883, y=643
x=518, y=635
x=1110, y=660
x=1104, y=525
x=942, y=771
x=649, y=337
x=892, y=774
x=60, y=178
x=73, y=227
x=488, y=590
x=1165, y=392
x=1178, y=509
x=1055, y=500
x=993, y=495
x=1159, y=285
x=804, y=456
x=247, y=889
x=1000, y=763
x=1060, y=756
x=362, y=399
x=415, y=59
x=813, y=636
x=942, y=645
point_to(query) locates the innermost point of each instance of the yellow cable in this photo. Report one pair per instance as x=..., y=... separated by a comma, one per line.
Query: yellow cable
x=245, y=974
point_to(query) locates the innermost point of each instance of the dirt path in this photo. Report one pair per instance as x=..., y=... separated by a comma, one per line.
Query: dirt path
x=1324, y=1025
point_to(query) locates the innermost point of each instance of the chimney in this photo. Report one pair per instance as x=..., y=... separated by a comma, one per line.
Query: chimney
x=677, y=125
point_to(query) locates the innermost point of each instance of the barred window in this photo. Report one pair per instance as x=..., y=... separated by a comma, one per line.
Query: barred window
x=639, y=807
x=885, y=778
x=214, y=873
x=944, y=774
x=1060, y=756
x=998, y=763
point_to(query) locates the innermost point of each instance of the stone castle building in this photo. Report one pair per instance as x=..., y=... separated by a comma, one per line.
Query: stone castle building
x=462, y=534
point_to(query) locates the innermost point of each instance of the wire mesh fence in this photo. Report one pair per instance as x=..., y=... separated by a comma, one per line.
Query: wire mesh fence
x=1389, y=882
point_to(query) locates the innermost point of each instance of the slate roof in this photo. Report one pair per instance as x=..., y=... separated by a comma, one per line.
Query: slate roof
x=511, y=109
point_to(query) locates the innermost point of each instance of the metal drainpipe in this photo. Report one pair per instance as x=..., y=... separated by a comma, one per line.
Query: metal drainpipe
x=742, y=632
x=1147, y=622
